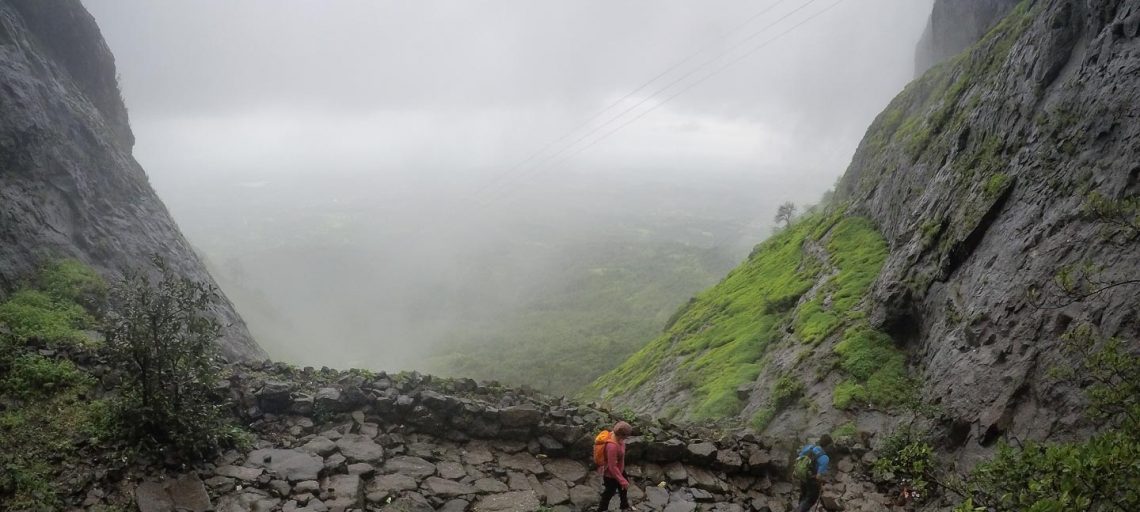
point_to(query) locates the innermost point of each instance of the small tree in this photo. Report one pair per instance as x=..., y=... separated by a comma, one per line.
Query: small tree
x=161, y=335
x=785, y=213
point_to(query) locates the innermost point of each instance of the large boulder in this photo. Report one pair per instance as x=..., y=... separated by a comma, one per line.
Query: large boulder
x=274, y=397
x=447, y=488
x=358, y=448
x=414, y=467
x=292, y=465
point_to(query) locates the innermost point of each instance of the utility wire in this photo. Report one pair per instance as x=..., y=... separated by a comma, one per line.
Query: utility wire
x=685, y=89
x=543, y=162
x=497, y=179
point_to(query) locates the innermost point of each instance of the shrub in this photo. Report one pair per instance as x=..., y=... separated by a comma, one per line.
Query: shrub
x=160, y=333
x=907, y=455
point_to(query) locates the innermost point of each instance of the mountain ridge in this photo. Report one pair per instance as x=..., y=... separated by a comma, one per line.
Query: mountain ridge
x=978, y=178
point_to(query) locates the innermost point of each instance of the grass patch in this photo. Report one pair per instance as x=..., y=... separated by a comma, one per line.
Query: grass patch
x=996, y=184
x=717, y=342
x=846, y=430
x=31, y=375
x=786, y=390
x=45, y=430
x=35, y=315
x=762, y=418
x=857, y=251
x=721, y=336
x=877, y=370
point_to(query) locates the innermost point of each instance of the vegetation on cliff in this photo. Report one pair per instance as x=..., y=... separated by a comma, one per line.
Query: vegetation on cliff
x=55, y=412
x=809, y=280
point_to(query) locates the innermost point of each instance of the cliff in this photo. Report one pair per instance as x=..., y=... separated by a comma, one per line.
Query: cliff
x=954, y=25
x=69, y=187
x=994, y=174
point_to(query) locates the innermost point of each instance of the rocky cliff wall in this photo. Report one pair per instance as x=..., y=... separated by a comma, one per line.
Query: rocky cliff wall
x=69, y=186
x=981, y=176
x=954, y=25
x=979, y=183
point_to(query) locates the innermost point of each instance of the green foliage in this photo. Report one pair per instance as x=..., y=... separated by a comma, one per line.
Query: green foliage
x=761, y=418
x=877, y=369
x=907, y=454
x=723, y=334
x=609, y=302
x=857, y=252
x=30, y=375
x=786, y=390
x=162, y=337
x=35, y=315
x=847, y=394
x=34, y=435
x=52, y=394
x=996, y=184
x=846, y=430
x=71, y=280
x=719, y=339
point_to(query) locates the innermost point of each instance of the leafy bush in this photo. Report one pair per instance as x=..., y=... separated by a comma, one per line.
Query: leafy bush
x=908, y=456
x=161, y=334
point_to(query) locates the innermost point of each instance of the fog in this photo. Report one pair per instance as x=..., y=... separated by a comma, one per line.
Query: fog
x=356, y=172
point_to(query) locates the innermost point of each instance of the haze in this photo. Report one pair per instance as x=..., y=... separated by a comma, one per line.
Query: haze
x=351, y=169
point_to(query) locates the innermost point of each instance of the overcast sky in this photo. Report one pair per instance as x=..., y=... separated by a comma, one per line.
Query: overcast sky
x=462, y=88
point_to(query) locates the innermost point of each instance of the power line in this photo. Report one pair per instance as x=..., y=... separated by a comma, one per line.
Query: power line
x=555, y=156
x=689, y=86
x=494, y=181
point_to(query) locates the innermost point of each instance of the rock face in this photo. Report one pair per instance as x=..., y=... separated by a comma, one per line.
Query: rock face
x=982, y=181
x=69, y=186
x=954, y=25
x=987, y=193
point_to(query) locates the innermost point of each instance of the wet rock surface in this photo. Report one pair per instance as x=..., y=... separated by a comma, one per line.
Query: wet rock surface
x=70, y=186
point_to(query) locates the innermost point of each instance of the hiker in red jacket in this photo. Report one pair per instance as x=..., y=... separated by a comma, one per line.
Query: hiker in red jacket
x=613, y=471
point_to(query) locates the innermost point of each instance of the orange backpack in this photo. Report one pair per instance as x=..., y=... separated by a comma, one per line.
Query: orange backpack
x=600, y=441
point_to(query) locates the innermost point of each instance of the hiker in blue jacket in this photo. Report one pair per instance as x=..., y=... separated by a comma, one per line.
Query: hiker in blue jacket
x=810, y=485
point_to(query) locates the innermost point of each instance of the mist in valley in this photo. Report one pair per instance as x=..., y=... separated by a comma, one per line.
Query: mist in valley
x=401, y=185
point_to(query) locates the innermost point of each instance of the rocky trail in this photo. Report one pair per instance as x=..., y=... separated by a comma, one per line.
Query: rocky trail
x=337, y=441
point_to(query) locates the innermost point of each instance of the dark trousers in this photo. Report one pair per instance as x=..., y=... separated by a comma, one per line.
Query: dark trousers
x=809, y=494
x=612, y=486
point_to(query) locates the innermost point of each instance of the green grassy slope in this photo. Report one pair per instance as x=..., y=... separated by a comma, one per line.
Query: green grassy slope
x=798, y=288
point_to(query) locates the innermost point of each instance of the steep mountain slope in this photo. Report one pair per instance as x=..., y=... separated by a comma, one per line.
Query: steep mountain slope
x=69, y=186
x=954, y=26
x=981, y=181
